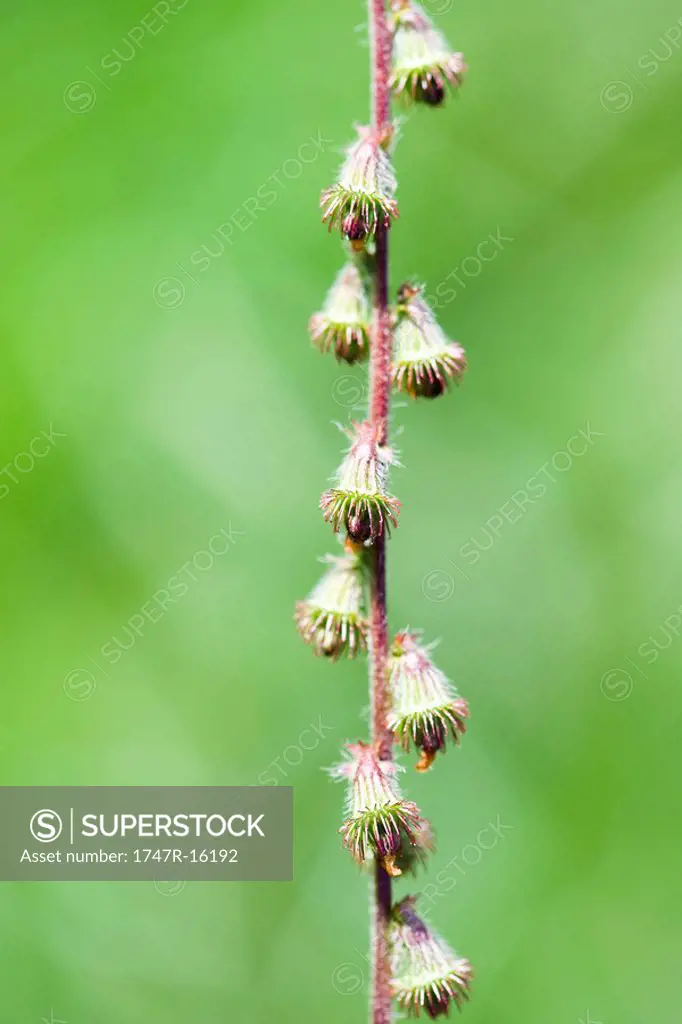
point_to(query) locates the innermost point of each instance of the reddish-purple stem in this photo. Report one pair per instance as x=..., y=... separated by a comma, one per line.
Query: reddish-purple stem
x=379, y=407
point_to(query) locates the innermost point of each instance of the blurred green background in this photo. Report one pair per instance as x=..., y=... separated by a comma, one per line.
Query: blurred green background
x=184, y=399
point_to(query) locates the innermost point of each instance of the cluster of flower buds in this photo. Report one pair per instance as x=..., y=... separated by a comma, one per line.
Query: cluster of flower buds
x=425, y=707
x=427, y=976
x=379, y=824
x=359, y=502
x=332, y=619
x=424, y=358
x=364, y=196
x=381, y=827
x=343, y=323
x=423, y=62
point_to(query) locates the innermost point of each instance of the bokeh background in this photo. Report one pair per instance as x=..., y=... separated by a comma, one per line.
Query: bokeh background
x=183, y=399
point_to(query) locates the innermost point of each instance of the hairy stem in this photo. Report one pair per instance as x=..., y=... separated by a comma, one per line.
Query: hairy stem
x=381, y=64
x=380, y=398
x=381, y=735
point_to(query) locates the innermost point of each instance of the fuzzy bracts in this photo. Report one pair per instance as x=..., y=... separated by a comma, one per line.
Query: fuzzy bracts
x=425, y=707
x=424, y=64
x=359, y=502
x=379, y=822
x=363, y=198
x=424, y=358
x=428, y=977
x=333, y=618
x=342, y=326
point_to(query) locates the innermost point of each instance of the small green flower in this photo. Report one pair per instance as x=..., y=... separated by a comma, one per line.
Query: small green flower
x=364, y=196
x=359, y=502
x=424, y=358
x=343, y=323
x=423, y=62
x=426, y=709
x=427, y=976
x=380, y=823
x=333, y=618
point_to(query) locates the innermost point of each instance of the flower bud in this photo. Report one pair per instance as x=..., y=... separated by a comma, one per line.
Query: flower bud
x=332, y=619
x=380, y=823
x=423, y=62
x=426, y=974
x=343, y=324
x=425, y=707
x=424, y=359
x=359, y=502
x=364, y=196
